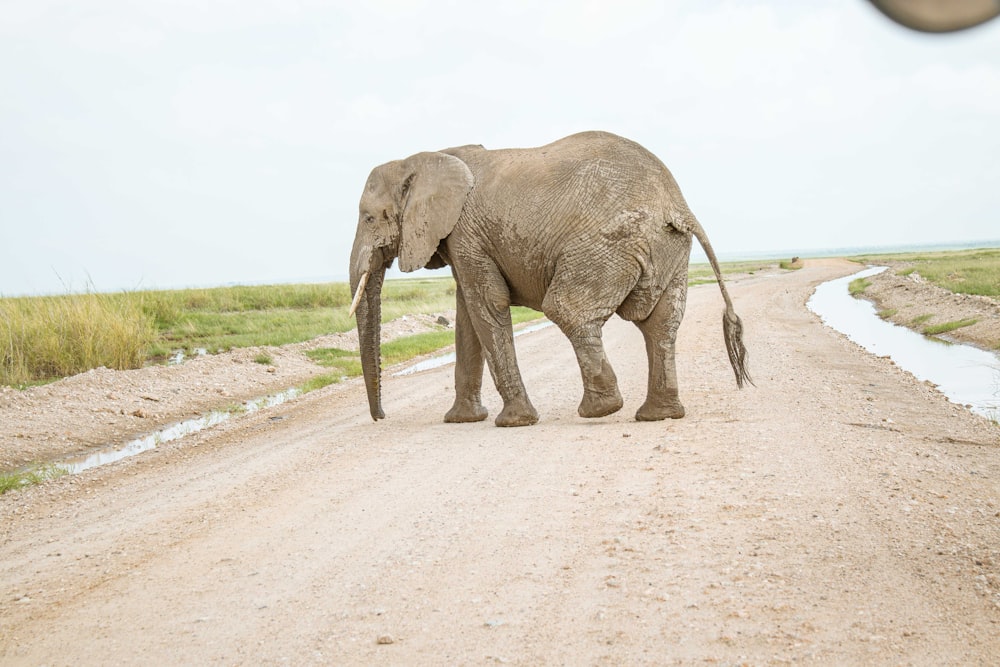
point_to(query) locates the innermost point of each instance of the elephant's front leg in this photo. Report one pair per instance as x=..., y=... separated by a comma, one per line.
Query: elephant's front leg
x=468, y=405
x=487, y=301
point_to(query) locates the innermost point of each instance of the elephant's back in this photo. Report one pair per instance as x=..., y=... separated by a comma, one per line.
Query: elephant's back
x=533, y=205
x=618, y=172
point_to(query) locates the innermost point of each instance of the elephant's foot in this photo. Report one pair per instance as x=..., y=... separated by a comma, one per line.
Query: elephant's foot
x=517, y=413
x=595, y=404
x=654, y=411
x=464, y=411
x=600, y=394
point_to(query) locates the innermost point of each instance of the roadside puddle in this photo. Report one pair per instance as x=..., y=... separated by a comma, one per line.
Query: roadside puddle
x=178, y=356
x=179, y=430
x=966, y=375
x=110, y=454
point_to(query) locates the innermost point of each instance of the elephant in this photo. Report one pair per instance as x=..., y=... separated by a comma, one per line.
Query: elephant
x=579, y=229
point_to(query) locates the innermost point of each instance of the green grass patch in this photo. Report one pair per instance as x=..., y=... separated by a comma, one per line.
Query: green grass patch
x=520, y=315
x=858, y=286
x=793, y=264
x=328, y=356
x=887, y=313
x=343, y=362
x=321, y=381
x=920, y=319
x=263, y=359
x=224, y=330
x=945, y=327
x=403, y=349
x=11, y=481
x=224, y=318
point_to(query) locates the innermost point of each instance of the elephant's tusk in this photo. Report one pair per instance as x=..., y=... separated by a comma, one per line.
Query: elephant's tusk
x=358, y=293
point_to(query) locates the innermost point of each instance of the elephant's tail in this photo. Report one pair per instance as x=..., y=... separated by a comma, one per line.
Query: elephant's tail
x=732, y=325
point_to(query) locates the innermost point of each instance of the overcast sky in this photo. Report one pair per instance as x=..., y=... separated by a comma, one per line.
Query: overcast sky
x=177, y=143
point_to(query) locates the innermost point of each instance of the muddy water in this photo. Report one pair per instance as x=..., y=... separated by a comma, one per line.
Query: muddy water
x=965, y=374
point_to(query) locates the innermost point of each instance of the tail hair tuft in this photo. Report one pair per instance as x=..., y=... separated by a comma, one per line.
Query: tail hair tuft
x=732, y=330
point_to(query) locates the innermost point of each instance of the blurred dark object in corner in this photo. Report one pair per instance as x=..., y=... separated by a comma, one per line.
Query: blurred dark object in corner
x=939, y=15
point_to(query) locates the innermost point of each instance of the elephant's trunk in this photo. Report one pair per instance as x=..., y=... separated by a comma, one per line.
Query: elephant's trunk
x=369, y=313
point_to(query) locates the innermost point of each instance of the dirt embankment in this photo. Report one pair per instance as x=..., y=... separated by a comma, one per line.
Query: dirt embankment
x=840, y=512
x=911, y=301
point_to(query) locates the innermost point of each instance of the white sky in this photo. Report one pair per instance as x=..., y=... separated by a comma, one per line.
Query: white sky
x=185, y=143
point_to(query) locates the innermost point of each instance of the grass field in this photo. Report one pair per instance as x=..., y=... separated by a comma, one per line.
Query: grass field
x=45, y=338
x=961, y=271
x=702, y=274
x=224, y=318
x=51, y=337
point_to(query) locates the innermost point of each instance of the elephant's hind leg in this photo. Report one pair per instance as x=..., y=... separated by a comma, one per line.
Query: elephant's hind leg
x=580, y=308
x=600, y=385
x=660, y=332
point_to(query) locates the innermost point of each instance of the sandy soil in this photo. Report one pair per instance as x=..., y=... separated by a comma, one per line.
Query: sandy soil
x=840, y=512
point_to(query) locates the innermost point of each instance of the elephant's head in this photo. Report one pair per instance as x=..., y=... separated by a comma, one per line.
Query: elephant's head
x=407, y=208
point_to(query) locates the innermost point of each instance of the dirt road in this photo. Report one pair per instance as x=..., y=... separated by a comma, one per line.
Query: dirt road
x=839, y=513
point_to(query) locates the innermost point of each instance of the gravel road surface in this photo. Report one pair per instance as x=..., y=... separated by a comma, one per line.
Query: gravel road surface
x=840, y=512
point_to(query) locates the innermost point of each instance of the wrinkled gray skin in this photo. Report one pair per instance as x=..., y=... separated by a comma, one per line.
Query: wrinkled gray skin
x=584, y=227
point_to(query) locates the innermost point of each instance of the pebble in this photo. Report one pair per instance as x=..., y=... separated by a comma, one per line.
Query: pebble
x=385, y=639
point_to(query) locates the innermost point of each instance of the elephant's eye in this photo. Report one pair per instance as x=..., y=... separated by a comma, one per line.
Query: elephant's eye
x=369, y=219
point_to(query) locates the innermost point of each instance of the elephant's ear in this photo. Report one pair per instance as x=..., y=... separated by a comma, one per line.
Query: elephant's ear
x=435, y=186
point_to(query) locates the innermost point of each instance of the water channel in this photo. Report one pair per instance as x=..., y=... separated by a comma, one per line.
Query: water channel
x=964, y=374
